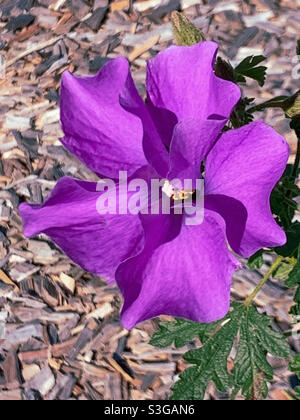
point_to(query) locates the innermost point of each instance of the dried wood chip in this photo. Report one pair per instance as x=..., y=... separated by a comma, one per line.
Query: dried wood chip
x=13, y=395
x=135, y=381
x=48, y=117
x=92, y=393
x=19, y=123
x=29, y=371
x=143, y=48
x=42, y=253
x=95, y=21
x=39, y=46
x=100, y=3
x=43, y=382
x=84, y=338
x=68, y=282
x=23, y=334
x=19, y=22
x=101, y=312
x=165, y=8
x=11, y=370
x=80, y=8
x=7, y=280
x=63, y=388
x=119, y=5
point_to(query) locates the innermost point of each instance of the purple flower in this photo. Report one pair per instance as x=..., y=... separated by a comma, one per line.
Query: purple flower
x=162, y=265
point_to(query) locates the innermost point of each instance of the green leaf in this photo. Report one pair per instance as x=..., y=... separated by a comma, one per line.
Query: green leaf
x=248, y=68
x=294, y=276
x=210, y=361
x=295, y=366
x=293, y=241
x=224, y=70
x=256, y=261
x=282, y=203
x=240, y=116
x=255, y=338
x=251, y=368
x=284, y=270
x=181, y=332
x=294, y=281
x=295, y=310
x=297, y=392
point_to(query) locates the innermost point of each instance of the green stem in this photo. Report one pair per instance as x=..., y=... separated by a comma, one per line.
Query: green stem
x=261, y=284
x=265, y=105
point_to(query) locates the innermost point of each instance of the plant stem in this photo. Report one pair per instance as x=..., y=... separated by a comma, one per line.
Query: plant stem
x=265, y=105
x=261, y=284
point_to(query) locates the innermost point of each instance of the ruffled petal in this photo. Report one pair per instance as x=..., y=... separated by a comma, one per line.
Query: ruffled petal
x=182, y=80
x=245, y=165
x=70, y=217
x=164, y=121
x=233, y=212
x=183, y=271
x=153, y=138
x=98, y=129
x=192, y=140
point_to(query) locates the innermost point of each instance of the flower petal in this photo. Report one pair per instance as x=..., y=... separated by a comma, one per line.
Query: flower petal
x=183, y=271
x=97, y=128
x=164, y=121
x=153, y=135
x=98, y=243
x=192, y=140
x=182, y=80
x=245, y=165
x=233, y=212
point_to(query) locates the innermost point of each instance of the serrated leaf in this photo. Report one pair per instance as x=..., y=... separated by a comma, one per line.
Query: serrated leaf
x=248, y=68
x=283, y=207
x=272, y=341
x=284, y=270
x=191, y=385
x=294, y=275
x=251, y=368
x=256, y=261
x=282, y=203
x=294, y=281
x=240, y=116
x=181, y=332
x=210, y=361
x=255, y=339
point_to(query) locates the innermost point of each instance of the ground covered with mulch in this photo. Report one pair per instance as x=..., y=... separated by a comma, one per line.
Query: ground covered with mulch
x=60, y=335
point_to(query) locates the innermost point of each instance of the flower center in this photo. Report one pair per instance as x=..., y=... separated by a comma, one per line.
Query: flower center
x=176, y=193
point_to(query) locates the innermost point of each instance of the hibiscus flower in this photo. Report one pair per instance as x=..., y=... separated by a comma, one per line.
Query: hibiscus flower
x=161, y=264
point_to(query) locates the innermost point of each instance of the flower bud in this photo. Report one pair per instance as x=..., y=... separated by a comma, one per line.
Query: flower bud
x=185, y=32
x=293, y=110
